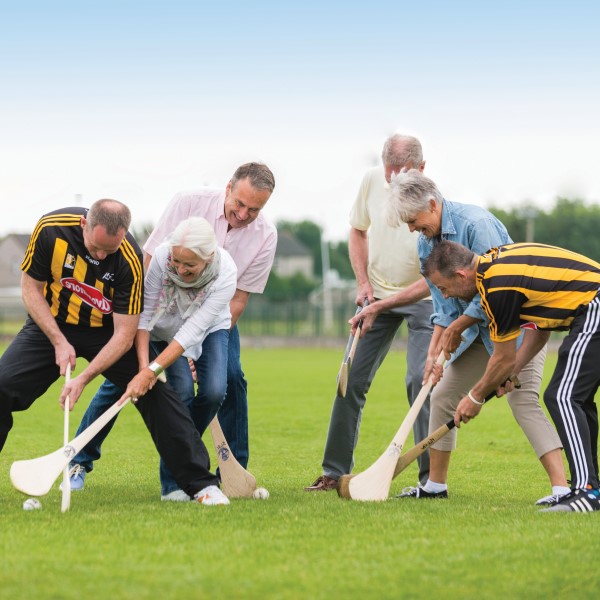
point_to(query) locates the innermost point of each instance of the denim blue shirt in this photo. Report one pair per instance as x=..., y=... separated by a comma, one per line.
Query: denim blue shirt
x=479, y=230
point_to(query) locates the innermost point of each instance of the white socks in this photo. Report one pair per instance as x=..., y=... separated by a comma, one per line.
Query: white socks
x=435, y=488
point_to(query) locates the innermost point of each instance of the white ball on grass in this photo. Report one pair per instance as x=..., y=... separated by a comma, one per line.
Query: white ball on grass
x=260, y=493
x=32, y=504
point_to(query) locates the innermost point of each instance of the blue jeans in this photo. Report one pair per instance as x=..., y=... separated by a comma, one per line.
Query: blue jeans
x=211, y=370
x=233, y=414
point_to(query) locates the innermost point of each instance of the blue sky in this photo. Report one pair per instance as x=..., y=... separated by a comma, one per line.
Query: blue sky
x=137, y=100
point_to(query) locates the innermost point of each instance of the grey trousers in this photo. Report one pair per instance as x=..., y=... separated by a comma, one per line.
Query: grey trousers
x=346, y=414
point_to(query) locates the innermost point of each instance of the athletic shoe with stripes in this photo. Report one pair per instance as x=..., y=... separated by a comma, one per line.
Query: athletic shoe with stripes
x=419, y=492
x=211, y=496
x=577, y=501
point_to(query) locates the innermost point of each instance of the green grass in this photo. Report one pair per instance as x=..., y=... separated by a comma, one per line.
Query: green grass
x=120, y=541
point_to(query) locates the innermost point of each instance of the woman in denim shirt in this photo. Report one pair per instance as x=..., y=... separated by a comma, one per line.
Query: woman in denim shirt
x=462, y=329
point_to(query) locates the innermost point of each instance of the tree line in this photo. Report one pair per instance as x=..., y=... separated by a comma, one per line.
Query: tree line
x=298, y=287
x=569, y=223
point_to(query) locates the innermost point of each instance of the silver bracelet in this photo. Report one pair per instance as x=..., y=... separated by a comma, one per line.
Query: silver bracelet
x=473, y=399
x=156, y=368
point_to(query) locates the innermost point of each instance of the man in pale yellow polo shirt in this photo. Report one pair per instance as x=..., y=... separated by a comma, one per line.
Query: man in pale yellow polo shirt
x=386, y=265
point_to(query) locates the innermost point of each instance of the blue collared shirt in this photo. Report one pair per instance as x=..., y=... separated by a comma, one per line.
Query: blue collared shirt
x=479, y=230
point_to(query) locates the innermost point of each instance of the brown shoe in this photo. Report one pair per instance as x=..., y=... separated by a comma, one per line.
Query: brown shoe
x=322, y=484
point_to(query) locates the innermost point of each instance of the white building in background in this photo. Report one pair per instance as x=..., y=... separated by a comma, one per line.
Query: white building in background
x=12, y=251
x=292, y=257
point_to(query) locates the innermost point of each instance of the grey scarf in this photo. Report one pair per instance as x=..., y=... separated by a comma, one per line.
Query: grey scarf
x=186, y=297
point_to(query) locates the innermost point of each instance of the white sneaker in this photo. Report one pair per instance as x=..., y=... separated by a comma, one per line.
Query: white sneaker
x=211, y=495
x=175, y=496
x=550, y=500
x=76, y=478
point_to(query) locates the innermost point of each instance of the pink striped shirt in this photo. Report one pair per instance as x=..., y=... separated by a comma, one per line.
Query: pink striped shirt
x=252, y=247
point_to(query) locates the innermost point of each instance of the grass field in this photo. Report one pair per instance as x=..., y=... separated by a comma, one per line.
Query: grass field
x=119, y=541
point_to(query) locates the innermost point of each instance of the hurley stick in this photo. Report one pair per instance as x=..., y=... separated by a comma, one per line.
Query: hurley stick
x=235, y=480
x=411, y=455
x=349, y=357
x=374, y=483
x=35, y=477
x=66, y=487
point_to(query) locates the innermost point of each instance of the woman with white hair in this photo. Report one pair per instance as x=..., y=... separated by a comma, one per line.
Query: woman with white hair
x=461, y=328
x=188, y=288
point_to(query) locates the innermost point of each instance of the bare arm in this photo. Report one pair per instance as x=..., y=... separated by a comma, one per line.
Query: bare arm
x=533, y=342
x=409, y=295
x=32, y=292
x=142, y=347
x=146, y=379
x=238, y=305
x=500, y=367
x=125, y=328
x=358, y=249
x=452, y=336
x=435, y=347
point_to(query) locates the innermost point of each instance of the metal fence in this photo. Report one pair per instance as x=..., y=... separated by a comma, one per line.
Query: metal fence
x=12, y=311
x=298, y=323
x=263, y=323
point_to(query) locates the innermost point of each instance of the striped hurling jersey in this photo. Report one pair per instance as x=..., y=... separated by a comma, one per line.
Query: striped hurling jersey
x=533, y=286
x=81, y=290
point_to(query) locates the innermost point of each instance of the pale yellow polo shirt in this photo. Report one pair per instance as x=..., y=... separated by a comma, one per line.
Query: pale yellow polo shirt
x=393, y=259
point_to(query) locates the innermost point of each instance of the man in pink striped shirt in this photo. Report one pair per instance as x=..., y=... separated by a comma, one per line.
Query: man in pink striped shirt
x=251, y=239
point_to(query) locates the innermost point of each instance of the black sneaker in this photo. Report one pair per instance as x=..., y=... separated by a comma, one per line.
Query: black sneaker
x=577, y=501
x=419, y=492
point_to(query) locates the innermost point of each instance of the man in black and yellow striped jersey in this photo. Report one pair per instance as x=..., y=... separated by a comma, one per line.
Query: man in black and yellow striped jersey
x=82, y=285
x=539, y=289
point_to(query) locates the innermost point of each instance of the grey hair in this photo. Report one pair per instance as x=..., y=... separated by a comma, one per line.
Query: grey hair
x=259, y=174
x=410, y=193
x=447, y=258
x=111, y=214
x=196, y=235
x=402, y=150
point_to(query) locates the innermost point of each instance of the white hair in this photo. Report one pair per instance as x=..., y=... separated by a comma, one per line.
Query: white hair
x=196, y=235
x=410, y=193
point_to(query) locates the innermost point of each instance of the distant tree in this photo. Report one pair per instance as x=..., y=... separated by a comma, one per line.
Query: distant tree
x=309, y=234
x=298, y=286
x=295, y=287
x=277, y=288
x=339, y=260
x=514, y=222
x=570, y=224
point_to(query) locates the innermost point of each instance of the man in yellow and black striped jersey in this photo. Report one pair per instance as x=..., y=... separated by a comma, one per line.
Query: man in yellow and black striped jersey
x=538, y=288
x=82, y=285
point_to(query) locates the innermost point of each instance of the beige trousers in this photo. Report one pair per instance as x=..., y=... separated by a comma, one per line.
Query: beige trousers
x=465, y=371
